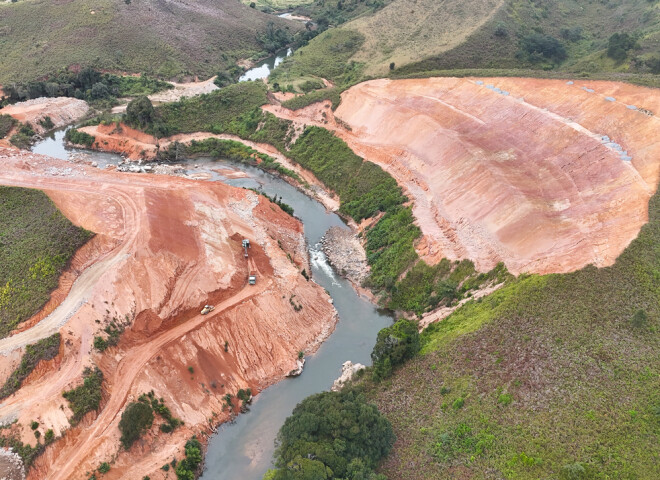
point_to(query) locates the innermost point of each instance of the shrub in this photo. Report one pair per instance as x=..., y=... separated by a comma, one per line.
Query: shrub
x=139, y=112
x=34, y=425
x=619, y=44
x=86, y=397
x=335, y=434
x=76, y=137
x=188, y=467
x=394, y=346
x=136, y=419
x=45, y=349
x=104, y=467
x=7, y=122
x=538, y=47
x=49, y=436
x=639, y=319
x=47, y=123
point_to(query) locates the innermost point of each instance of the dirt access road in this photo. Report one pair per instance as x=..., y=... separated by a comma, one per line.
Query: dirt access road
x=178, y=248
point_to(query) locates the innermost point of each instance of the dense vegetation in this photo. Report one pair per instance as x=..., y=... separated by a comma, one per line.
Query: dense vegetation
x=76, y=137
x=36, y=242
x=85, y=397
x=24, y=137
x=7, y=122
x=162, y=39
x=571, y=35
x=188, y=468
x=45, y=349
x=332, y=435
x=138, y=417
x=86, y=84
x=394, y=345
x=551, y=376
x=211, y=112
x=333, y=94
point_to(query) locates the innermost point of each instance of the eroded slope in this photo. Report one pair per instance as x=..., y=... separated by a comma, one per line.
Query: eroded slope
x=178, y=246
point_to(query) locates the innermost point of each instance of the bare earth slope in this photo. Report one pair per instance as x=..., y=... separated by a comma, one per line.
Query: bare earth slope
x=512, y=170
x=178, y=247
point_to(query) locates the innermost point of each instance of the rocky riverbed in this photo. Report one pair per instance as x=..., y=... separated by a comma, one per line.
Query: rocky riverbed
x=346, y=254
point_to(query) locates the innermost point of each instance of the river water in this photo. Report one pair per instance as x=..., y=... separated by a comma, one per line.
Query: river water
x=243, y=449
x=262, y=69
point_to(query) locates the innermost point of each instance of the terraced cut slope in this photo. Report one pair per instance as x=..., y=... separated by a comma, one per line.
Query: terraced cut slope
x=545, y=175
x=553, y=377
x=175, y=245
x=170, y=38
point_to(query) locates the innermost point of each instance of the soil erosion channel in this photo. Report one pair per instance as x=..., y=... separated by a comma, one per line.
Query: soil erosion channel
x=243, y=449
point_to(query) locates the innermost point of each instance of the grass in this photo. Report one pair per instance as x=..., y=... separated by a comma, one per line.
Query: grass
x=549, y=377
x=582, y=27
x=45, y=349
x=326, y=56
x=161, y=39
x=302, y=101
x=36, y=243
x=85, y=397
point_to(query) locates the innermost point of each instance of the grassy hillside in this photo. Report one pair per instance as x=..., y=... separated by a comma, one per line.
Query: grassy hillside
x=203, y=37
x=36, y=243
x=581, y=27
x=552, y=377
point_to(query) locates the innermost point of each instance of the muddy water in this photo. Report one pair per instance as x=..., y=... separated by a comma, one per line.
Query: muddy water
x=263, y=68
x=243, y=449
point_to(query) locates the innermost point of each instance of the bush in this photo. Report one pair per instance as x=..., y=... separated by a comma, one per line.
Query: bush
x=104, y=467
x=76, y=137
x=47, y=123
x=86, y=397
x=394, y=345
x=45, y=349
x=332, y=435
x=188, y=467
x=6, y=124
x=49, y=436
x=136, y=419
x=618, y=46
x=538, y=47
x=139, y=112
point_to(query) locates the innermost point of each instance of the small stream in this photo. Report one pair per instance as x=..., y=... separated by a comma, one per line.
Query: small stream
x=243, y=449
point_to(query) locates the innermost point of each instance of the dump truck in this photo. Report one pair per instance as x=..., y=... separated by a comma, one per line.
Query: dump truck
x=207, y=309
x=252, y=279
x=246, y=245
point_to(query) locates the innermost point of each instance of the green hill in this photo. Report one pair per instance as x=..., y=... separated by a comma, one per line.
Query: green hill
x=551, y=377
x=39, y=37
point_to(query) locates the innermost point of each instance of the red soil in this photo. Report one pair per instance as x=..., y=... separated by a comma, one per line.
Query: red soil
x=175, y=245
x=524, y=178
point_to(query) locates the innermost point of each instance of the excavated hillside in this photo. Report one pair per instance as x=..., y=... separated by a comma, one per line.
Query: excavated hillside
x=544, y=175
x=172, y=246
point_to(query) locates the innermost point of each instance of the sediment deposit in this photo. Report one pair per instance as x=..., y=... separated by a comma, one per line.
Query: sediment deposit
x=171, y=246
x=544, y=175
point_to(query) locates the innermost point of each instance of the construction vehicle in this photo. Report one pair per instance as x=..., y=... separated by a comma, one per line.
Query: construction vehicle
x=246, y=245
x=252, y=279
x=207, y=309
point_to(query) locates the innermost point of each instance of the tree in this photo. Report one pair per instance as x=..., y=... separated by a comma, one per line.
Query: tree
x=140, y=112
x=100, y=90
x=618, y=46
x=539, y=47
x=137, y=418
x=327, y=433
x=394, y=345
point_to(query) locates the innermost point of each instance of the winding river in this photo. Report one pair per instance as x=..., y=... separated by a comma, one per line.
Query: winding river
x=243, y=449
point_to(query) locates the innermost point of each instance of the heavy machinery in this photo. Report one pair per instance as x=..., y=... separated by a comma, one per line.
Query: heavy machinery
x=207, y=309
x=246, y=245
x=252, y=278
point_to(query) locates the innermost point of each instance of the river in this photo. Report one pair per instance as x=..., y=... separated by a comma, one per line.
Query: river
x=263, y=68
x=243, y=449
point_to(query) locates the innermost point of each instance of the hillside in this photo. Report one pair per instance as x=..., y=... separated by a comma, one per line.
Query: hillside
x=581, y=28
x=166, y=39
x=552, y=377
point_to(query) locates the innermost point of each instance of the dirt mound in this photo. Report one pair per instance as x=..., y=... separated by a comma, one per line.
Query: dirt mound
x=61, y=110
x=177, y=247
x=544, y=175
